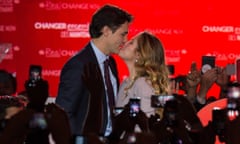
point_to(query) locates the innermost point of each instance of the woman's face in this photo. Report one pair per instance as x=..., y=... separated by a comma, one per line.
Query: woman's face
x=128, y=51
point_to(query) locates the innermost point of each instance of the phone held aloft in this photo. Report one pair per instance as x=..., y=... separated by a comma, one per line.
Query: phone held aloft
x=208, y=62
x=159, y=101
x=135, y=106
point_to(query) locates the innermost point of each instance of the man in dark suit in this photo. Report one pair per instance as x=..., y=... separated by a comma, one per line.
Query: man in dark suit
x=82, y=89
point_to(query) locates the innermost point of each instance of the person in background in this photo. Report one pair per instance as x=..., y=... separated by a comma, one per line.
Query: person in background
x=36, y=123
x=8, y=83
x=9, y=106
x=83, y=92
x=34, y=78
x=198, y=85
x=223, y=127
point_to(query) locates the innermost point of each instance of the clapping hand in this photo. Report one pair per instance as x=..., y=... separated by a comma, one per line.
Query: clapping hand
x=194, y=76
x=222, y=77
x=193, y=80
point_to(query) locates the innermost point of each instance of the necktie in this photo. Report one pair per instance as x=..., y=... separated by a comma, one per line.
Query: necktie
x=108, y=82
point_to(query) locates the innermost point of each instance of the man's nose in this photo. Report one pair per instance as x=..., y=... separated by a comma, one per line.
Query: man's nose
x=125, y=40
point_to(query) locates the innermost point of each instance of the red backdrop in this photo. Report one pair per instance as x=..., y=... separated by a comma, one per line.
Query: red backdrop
x=48, y=32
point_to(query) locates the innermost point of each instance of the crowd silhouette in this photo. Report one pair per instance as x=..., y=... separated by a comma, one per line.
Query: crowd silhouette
x=28, y=119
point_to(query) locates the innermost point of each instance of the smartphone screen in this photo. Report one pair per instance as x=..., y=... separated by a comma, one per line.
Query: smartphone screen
x=208, y=62
x=135, y=105
x=158, y=101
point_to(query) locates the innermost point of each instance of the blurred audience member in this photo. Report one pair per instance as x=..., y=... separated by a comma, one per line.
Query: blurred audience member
x=124, y=124
x=37, y=95
x=8, y=84
x=36, y=123
x=224, y=126
x=138, y=138
x=198, y=84
x=232, y=131
x=23, y=99
x=9, y=106
x=179, y=124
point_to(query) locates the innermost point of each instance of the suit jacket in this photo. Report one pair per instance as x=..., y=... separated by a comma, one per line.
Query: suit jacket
x=87, y=113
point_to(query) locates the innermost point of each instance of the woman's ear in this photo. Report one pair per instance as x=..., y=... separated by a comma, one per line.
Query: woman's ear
x=137, y=55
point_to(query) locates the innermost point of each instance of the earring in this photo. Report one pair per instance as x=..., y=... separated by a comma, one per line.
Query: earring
x=136, y=60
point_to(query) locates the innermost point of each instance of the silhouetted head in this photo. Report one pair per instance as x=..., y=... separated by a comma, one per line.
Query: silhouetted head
x=37, y=95
x=7, y=83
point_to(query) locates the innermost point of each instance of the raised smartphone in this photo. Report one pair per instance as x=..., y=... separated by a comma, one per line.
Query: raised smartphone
x=208, y=62
x=135, y=106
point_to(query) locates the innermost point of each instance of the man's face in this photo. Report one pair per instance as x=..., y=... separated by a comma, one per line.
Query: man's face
x=35, y=75
x=128, y=52
x=117, y=39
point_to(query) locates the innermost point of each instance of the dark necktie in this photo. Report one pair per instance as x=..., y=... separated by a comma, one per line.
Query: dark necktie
x=108, y=82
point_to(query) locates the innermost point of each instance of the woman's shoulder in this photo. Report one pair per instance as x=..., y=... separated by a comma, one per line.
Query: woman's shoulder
x=142, y=82
x=141, y=79
x=136, y=81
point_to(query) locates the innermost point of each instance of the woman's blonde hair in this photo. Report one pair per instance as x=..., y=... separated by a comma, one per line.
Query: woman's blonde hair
x=151, y=62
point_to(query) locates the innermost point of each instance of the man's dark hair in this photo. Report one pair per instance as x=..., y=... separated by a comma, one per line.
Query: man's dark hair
x=110, y=16
x=8, y=101
x=8, y=83
x=35, y=68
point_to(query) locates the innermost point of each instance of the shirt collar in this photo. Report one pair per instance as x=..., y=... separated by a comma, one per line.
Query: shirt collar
x=101, y=57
